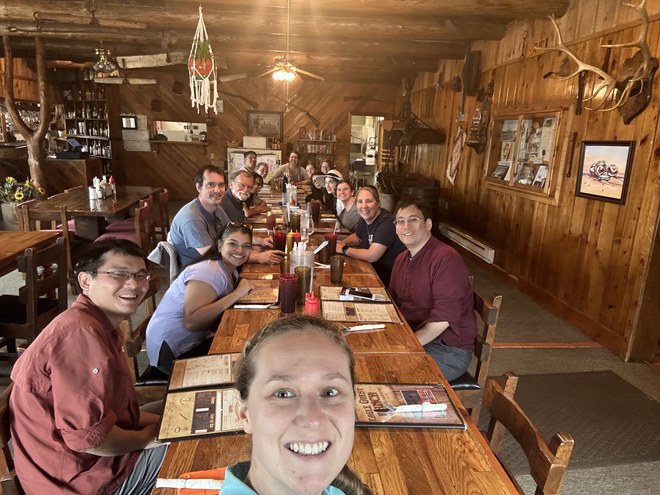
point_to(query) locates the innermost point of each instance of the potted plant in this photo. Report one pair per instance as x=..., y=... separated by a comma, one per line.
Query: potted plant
x=202, y=61
x=13, y=192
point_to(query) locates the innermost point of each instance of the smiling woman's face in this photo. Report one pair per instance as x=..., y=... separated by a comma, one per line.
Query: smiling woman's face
x=367, y=206
x=300, y=412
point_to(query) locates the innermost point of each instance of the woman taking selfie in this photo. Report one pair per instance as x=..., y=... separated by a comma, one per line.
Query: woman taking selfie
x=375, y=238
x=295, y=381
x=190, y=311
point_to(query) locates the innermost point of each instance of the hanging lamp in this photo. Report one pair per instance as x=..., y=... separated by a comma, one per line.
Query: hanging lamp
x=202, y=70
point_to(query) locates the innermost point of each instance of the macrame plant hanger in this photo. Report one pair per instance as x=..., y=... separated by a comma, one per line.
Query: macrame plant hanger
x=202, y=70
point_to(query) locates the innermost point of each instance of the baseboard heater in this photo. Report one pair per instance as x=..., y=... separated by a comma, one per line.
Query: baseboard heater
x=473, y=245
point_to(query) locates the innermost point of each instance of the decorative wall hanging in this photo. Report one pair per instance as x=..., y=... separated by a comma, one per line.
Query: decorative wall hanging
x=605, y=168
x=631, y=94
x=480, y=118
x=455, y=158
x=202, y=70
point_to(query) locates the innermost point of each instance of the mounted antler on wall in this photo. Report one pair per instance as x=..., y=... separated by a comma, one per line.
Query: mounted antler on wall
x=632, y=93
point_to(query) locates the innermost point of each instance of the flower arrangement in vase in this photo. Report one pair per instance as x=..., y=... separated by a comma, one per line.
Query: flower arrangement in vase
x=13, y=191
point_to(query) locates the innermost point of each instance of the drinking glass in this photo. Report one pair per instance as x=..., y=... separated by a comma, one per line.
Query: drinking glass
x=336, y=268
x=288, y=286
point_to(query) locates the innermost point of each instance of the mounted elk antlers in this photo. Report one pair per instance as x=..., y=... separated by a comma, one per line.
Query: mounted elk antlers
x=632, y=93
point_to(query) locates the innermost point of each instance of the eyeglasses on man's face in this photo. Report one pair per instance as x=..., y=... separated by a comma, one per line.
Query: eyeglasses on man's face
x=412, y=220
x=241, y=186
x=123, y=276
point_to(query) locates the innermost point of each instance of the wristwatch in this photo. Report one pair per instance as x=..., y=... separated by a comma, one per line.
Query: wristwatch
x=344, y=249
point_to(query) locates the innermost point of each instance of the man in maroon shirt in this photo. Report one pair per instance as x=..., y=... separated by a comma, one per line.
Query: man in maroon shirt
x=430, y=285
x=76, y=423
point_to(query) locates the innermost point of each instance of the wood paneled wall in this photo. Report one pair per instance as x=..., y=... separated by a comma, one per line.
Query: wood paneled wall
x=583, y=259
x=173, y=166
x=26, y=85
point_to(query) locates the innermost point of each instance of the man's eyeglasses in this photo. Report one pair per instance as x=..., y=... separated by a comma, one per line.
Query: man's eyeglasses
x=411, y=220
x=242, y=186
x=122, y=276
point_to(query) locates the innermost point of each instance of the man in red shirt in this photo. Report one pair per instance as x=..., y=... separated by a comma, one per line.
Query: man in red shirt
x=430, y=284
x=76, y=423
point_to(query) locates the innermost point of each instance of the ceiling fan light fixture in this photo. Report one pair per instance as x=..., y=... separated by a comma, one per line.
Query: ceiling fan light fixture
x=105, y=65
x=285, y=74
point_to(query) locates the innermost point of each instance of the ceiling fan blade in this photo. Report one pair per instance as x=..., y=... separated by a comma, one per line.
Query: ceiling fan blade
x=68, y=64
x=124, y=80
x=155, y=60
x=232, y=77
x=310, y=74
x=269, y=71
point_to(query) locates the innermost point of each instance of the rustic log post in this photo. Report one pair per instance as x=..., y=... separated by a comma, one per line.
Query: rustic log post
x=33, y=138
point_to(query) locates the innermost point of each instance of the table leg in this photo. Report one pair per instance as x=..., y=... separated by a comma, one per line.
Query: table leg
x=90, y=227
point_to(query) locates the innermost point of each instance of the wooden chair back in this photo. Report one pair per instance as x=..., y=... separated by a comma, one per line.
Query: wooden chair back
x=150, y=384
x=138, y=229
x=469, y=387
x=37, y=220
x=8, y=480
x=548, y=462
x=162, y=215
x=41, y=299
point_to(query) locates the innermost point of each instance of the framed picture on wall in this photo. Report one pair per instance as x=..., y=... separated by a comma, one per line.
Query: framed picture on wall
x=264, y=124
x=605, y=168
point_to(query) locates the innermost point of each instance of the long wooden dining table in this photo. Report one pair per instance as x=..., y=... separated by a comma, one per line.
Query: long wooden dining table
x=390, y=460
x=90, y=214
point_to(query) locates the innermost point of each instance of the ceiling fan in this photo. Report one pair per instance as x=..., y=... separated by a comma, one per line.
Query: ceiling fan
x=284, y=70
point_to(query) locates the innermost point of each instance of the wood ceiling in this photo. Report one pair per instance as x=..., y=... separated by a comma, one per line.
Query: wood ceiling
x=342, y=40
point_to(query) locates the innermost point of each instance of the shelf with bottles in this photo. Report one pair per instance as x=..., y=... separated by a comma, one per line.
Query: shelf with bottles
x=316, y=146
x=86, y=117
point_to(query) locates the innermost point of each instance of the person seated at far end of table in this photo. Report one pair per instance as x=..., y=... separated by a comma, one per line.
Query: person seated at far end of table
x=430, y=285
x=293, y=171
x=76, y=423
x=374, y=239
x=250, y=161
x=348, y=214
x=196, y=225
x=295, y=382
x=241, y=184
x=190, y=311
x=254, y=204
x=328, y=183
x=316, y=191
x=262, y=169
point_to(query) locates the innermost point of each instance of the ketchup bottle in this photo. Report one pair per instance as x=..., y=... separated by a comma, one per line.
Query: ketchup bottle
x=312, y=304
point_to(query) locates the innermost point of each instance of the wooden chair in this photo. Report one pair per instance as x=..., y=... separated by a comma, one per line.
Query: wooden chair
x=165, y=255
x=41, y=299
x=141, y=231
x=8, y=479
x=548, y=462
x=71, y=224
x=150, y=383
x=162, y=215
x=468, y=387
x=33, y=220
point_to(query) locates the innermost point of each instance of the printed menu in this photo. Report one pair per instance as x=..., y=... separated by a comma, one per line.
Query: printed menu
x=382, y=404
x=362, y=312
